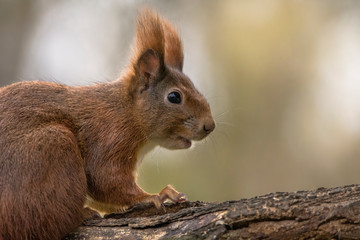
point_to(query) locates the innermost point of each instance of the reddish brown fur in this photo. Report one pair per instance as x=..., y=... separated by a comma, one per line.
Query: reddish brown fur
x=173, y=46
x=59, y=143
x=149, y=34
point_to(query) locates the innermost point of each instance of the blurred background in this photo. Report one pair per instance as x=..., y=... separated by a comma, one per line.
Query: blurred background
x=282, y=78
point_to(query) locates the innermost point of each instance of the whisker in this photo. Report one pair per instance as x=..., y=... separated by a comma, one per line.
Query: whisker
x=222, y=114
x=226, y=124
x=225, y=134
x=230, y=111
x=234, y=109
x=213, y=143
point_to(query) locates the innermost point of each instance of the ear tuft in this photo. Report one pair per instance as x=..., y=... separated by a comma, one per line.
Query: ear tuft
x=149, y=35
x=174, y=55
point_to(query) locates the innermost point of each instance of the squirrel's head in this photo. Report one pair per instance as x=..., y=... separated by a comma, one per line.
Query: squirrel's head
x=165, y=98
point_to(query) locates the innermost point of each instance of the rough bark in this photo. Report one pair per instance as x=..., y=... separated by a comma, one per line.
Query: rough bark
x=321, y=214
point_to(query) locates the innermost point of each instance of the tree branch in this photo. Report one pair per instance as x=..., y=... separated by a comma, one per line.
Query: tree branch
x=323, y=213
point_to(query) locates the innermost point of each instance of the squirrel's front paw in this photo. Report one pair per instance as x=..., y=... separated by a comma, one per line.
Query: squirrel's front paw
x=171, y=194
x=168, y=193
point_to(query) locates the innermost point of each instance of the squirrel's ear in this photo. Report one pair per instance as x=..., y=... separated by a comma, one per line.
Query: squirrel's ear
x=149, y=67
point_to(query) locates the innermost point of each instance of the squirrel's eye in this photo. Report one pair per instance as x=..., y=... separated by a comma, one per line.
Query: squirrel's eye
x=174, y=97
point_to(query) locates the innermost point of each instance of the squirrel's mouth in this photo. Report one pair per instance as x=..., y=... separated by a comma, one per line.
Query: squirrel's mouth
x=176, y=142
x=185, y=142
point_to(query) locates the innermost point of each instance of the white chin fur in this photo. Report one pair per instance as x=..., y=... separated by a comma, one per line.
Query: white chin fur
x=178, y=143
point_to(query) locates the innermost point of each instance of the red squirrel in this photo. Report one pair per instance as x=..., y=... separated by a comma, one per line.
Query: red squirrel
x=63, y=147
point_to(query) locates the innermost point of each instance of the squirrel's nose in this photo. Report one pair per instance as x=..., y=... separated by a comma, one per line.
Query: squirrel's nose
x=209, y=126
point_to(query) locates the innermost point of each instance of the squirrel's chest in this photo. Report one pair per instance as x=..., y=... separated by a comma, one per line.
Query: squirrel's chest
x=144, y=150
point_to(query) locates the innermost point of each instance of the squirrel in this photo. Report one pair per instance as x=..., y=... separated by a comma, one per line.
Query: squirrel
x=64, y=147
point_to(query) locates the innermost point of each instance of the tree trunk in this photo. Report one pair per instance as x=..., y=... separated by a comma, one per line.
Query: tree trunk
x=321, y=214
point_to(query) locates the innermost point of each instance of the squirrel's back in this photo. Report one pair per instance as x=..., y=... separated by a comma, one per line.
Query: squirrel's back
x=34, y=199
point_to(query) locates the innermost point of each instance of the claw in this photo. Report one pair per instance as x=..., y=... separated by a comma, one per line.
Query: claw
x=169, y=193
x=181, y=198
